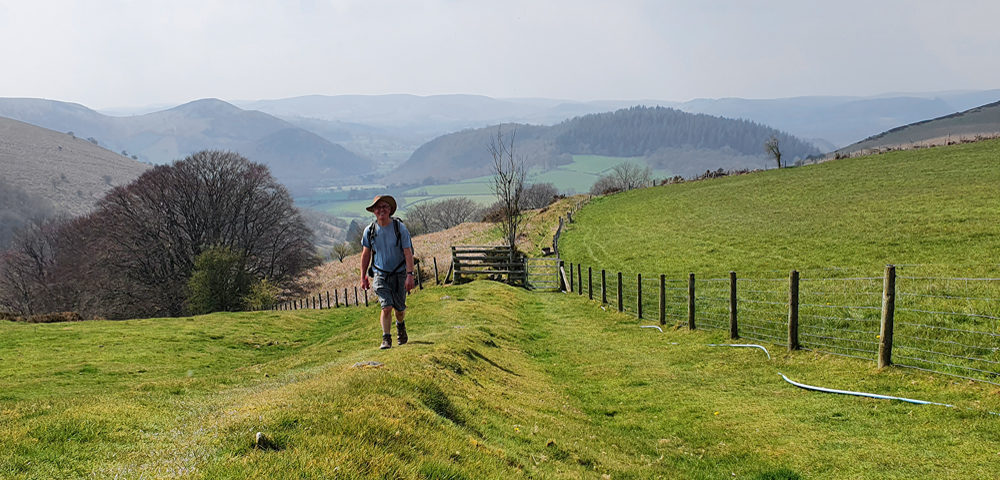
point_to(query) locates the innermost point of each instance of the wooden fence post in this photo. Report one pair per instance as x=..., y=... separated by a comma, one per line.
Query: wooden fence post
x=691, y=301
x=366, y=298
x=604, y=287
x=638, y=294
x=663, y=299
x=455, y=265
x=356, y=303
x=793, y=311
x=562, y=276
x=579, y=276
x=420, y=280
x=621, y=306
x=888, y=312
x=734, y=331
x=336, y=299
x=571, y=277
x=347, y=303
x=437, y=279
x=590, y=283
x=328, y=300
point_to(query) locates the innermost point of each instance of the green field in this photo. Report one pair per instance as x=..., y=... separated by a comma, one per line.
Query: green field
x=575, y=177
x=933, y=213
x=929, y=207
x=496, y=383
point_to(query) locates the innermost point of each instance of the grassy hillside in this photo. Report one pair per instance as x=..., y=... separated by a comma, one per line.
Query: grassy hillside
x=68, y=171
x=982, y=122
x=495, y=383
x=934, y=207
x=932, y=213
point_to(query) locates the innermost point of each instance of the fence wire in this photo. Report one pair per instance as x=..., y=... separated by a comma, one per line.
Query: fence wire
x=943, y=324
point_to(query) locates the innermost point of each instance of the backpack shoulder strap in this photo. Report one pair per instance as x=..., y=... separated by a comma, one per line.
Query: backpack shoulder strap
x=371, y=236
x=395, y=223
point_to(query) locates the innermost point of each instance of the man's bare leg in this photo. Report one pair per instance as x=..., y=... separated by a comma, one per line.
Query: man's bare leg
x=401, y=326
x=386, y=319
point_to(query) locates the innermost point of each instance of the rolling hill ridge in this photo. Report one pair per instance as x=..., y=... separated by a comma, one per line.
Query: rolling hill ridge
x=168, y=135
x=978, y=122
x=682, y=143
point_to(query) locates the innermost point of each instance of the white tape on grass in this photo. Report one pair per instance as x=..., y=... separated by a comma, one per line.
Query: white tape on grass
x=832, y=390
x=861, y=394
x=746, y=345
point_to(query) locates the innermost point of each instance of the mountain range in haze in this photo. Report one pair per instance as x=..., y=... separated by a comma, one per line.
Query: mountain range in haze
x=322, y=140
x=295, y=156
x=829, y=122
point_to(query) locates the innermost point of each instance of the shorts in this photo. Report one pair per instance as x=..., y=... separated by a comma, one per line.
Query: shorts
x=391, y=290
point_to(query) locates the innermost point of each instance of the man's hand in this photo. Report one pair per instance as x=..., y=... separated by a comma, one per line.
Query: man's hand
x=410, y=283
x=365, y=284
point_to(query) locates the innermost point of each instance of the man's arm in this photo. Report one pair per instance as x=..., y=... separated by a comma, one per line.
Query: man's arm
x=410, y=279
x=366, y=258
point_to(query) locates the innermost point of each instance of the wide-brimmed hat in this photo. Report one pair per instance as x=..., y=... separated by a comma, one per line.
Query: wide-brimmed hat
x=383, y=198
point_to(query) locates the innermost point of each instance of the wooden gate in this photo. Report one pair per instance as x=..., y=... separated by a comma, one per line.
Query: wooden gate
x=543, y=273
x=495, y=262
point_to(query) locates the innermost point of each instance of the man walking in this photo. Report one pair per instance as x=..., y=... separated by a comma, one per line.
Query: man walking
x=386, y=246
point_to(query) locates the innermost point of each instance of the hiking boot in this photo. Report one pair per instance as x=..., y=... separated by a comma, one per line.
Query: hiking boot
x=386, y=341
x=401, y=331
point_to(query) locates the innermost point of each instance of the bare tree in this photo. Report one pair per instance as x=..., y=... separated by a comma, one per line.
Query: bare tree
x=631, y=175
x=508, y=184
x=429, y=217
x=538, y=195
x=26, y=270
x=341, y=251
x=623, y=177
x=773, y=148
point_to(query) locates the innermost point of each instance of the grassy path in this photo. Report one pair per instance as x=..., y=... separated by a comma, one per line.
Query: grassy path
x=496, y=383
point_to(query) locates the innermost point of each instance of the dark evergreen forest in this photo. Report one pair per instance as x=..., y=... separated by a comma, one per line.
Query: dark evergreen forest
x=688, y=143
x=639, y=131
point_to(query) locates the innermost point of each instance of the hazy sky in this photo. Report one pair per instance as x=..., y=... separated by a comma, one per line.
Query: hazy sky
x=115, y=53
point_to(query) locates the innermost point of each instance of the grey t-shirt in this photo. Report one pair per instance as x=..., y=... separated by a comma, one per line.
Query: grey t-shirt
x=388, y=256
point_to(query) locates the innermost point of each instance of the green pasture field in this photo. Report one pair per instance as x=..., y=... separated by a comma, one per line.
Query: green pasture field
x=495, y=383
x=934, y=213
x=930, y=207
x=575, y=177
x=340, y=208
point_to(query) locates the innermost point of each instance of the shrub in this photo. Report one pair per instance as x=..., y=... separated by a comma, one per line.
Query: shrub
x=219, y=282
x=263, y=296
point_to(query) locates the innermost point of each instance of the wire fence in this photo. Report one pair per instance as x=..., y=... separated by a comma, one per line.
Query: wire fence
x=942, y=324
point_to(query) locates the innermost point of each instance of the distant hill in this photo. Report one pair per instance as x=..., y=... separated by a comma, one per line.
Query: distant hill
x=45, y=173
x=295, y=156
x=68, y=171
x=405, y=121
x=683, y=143
x=981, y=121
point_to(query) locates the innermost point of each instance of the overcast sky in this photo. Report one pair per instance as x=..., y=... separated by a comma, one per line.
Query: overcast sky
x=117, y=53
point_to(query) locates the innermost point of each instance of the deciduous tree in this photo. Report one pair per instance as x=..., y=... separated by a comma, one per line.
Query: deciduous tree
x=508, y=183
x=773, y=149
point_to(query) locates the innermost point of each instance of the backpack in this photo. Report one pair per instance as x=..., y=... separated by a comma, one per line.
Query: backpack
x=371, y=241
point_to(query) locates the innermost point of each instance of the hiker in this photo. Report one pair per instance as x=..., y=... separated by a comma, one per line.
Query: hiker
x=387, y=249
